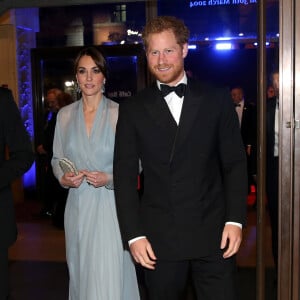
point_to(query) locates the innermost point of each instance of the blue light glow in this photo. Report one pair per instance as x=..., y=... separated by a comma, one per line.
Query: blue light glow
x=223, y=38
x=25, y=92
x=256, y=44
x=29, y=178
x=223, y=46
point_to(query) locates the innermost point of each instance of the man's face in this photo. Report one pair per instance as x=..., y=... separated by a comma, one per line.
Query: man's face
x=270, y=92
x=275, y=79
x=237, y=95
x=52, y=102
x=165, y=57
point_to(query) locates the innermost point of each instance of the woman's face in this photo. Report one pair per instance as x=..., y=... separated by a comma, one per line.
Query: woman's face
x=89, y=76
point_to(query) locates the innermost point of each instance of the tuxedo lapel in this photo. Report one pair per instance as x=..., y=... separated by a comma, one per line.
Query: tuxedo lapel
x=159, y=110
x=190, y=110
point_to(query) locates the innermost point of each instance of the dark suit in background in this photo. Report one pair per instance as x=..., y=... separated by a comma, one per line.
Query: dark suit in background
x=14, y=138
x=272, y=175
x=272, y=162
x=249, y=136
x=247, y=117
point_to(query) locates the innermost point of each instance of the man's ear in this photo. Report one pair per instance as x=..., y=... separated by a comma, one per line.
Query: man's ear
x=185, y=50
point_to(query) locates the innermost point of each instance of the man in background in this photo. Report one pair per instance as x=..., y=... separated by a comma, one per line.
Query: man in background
x=16, y=157
x=272, y=162
x=52, y=189
x=247, y=118
x=270, y=92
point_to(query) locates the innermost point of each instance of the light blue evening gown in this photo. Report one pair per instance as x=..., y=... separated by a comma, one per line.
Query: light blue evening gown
x=99, y=268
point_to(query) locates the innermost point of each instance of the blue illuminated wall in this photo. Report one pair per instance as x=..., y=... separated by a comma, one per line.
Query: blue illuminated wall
x=26, y=26
x=25, y=93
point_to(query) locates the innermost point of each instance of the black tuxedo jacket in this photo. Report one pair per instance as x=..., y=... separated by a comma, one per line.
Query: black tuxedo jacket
x=271, y=168
x=14, y=138
x=249, y=136
x=194, y=174
x=270, y=127
x=248, y=124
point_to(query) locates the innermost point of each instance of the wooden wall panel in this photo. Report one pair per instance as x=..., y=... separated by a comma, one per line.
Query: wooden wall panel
x=8, y=75
x=8, y=63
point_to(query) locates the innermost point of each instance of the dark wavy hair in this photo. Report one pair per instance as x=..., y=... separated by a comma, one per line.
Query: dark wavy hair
x=96, y=56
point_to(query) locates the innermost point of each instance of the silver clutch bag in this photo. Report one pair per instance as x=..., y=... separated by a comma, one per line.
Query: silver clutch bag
x=67, y=166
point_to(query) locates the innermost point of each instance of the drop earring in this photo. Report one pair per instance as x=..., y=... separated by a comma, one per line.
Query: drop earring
x=78, y=90
x=103, y=87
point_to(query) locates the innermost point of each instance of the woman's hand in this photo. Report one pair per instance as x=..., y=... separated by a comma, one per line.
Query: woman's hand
x=95, y=178
x=71, y=180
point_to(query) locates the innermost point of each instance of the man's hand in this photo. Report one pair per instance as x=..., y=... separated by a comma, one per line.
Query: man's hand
x=143, y=254
x=248, y=150
x=231, y=240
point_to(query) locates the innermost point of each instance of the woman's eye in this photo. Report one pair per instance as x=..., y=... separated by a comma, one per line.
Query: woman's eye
x=81, y=71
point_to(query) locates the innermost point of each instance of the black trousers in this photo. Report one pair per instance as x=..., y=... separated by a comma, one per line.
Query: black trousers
x=213, y=277
x=4, y=274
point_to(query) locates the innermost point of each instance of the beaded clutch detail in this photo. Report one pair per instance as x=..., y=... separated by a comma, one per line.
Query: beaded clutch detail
x=67, y=166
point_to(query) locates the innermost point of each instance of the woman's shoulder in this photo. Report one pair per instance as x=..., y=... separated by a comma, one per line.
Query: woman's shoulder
x=69, y=108
x=113, y=110
x=112, y=105
x=67, y=112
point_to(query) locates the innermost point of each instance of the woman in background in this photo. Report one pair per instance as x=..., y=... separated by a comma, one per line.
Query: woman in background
x=99, y=268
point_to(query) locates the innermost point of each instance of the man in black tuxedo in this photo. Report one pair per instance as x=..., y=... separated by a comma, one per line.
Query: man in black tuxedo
x=272, y=162
x=188, y=143
x=16, y=157
x=247, y=118
x=52, y=188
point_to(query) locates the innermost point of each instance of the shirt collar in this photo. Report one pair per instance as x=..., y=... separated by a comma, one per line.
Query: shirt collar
x=241, y=103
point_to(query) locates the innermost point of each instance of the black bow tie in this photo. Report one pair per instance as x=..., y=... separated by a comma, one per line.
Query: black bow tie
x=237, y=104
x=178, y=89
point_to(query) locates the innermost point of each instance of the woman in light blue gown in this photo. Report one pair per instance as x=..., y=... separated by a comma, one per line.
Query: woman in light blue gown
x=99, y=268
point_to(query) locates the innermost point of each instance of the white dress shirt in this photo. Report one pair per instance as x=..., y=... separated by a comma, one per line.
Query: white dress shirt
x=174, y=102
x=239, y=110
